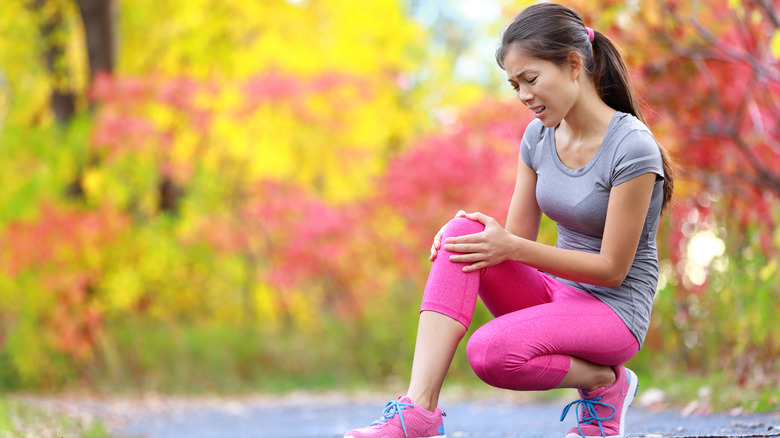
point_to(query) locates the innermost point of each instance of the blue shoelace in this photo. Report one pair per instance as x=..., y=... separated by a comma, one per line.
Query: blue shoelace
x=589, y=415
x=392, y=409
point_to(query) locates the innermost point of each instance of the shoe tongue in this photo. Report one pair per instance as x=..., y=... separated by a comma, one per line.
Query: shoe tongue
x=404, y=399
x=592, y=394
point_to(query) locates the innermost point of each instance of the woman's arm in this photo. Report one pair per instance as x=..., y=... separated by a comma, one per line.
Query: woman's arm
x=626, y=213
x=524, y=213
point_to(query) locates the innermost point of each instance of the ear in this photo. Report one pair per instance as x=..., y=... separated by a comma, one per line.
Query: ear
x=576, y=65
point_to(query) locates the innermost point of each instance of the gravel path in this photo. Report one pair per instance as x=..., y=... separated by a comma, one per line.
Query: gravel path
x=330, y=415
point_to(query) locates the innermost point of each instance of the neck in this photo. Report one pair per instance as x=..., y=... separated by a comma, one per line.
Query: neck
x=589, y=117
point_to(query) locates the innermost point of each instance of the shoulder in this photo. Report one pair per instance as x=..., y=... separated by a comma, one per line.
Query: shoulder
x=635, y=150
x=632, y=137
x=532, y=139
x=534, y=132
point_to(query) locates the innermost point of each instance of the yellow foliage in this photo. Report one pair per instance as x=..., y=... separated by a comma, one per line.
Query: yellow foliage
x=304, y=309
x=93, y=183
x=123, y=289
x=237, y=39
x=768, y=270
x=340, y=144
x=776, y=43
x=267, y=306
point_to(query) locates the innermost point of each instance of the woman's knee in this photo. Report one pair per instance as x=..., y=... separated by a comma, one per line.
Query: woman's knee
x=491, y=361
x=461, y=226
x=499, y=365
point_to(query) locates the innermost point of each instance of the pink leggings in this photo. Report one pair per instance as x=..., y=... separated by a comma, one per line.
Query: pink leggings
x=539, y=322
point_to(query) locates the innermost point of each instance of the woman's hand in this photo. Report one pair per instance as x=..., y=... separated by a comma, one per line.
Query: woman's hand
x=481, y=250
x=437, y=239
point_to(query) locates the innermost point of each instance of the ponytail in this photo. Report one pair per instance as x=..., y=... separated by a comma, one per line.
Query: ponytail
x=550, y=31
x=612, y=80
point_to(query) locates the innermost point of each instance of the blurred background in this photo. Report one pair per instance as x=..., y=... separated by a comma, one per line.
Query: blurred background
x=240, y=196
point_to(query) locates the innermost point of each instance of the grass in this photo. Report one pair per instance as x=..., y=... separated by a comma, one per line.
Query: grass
x=216, y=360
x=19, y=420
x=717, y=393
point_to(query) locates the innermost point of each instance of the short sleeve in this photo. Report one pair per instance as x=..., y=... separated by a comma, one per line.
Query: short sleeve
x=638, y=154
x=529, y=145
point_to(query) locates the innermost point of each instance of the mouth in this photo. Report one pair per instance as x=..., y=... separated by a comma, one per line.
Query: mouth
x=538, y=110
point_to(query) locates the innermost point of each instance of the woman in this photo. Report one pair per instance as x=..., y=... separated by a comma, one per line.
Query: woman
x=566, y=316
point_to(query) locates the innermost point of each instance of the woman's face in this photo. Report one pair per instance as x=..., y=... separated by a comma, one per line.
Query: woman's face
x=545, y=88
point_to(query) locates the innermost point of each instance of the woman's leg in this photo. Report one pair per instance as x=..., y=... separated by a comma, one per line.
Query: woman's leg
x=586, y=375
x=448, y=306
x=573, y=342
x=438, y=337
x=446, y=312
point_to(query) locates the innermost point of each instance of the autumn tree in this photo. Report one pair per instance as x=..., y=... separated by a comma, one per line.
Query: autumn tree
x=204, y=115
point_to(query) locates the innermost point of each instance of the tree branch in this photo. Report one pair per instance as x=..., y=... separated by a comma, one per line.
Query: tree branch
x=771, y=11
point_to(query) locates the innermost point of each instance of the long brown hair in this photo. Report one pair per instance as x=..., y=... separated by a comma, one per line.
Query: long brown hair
x=551, y=32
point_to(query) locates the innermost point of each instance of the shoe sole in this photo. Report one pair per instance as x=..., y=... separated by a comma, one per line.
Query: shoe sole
x=633, y=387
x=436, y=436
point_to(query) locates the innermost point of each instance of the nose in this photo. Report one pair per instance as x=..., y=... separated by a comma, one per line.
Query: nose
x=524, y=95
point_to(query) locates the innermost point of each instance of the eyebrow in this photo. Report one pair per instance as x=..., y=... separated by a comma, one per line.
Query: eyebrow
x=519, y=75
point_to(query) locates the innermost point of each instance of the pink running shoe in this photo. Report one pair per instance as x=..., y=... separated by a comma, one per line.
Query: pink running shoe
x=602, y=413
x=402, y=418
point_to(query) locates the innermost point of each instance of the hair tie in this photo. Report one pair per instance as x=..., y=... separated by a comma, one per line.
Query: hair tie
x=591, y=34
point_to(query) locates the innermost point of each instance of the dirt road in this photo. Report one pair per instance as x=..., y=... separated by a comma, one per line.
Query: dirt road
x=329, y=416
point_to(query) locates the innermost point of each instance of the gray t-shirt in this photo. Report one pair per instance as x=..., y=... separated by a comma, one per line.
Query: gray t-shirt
x=577, y=201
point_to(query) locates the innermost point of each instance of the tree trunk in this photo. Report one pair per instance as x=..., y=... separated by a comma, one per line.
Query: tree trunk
x=97, y=16
x=63, y=98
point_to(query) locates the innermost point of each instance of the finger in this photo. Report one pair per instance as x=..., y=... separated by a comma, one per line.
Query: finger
x=460, y=213
x=438, y=236
x=467, y=258
x=479, y=217
x=468, y=238
x=474, y=267
x=464, y=248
